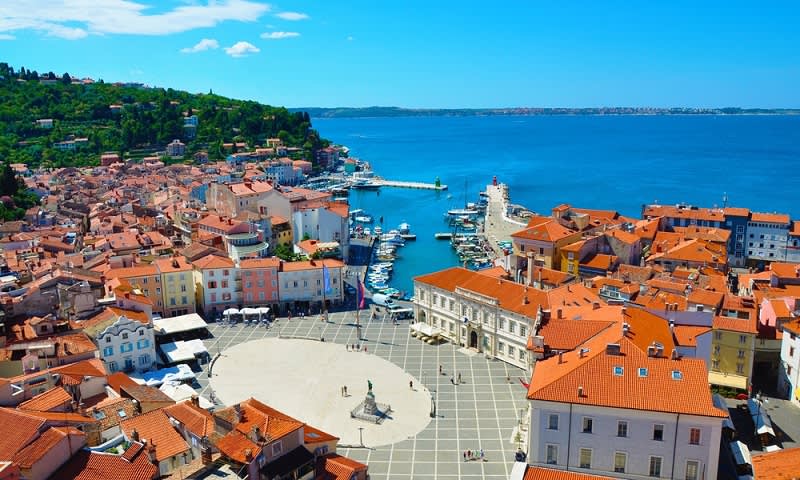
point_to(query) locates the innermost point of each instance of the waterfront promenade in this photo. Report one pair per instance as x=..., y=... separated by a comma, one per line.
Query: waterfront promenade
x=497, y=224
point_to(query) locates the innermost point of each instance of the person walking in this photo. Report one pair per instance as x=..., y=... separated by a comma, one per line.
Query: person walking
x=459, y=377
x=411, y=384
x=482, y=459
x=451, y=380
x=465, y=455
x=345, y=390
x=440, y=369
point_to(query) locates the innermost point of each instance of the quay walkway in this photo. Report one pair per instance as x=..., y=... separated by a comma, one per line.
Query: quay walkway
x=417, y=185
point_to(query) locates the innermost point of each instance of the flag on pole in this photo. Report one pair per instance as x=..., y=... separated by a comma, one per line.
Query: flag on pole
x=360, y=296
x=326, y=279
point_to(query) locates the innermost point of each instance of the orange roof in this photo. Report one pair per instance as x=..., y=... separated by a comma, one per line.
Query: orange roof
x=314, y=435
x=600, y=261
x=159, y=432
x=213, y=261
x=18, y=429
x=780, y=465
x=706, y=297
x=795, y=232
x=272, y=262
x=30, y=455
x=173, y=264
x=541, y=473
x=785, y=270
x=686, y=335
x=645, y=327
x=710, y=214
x=793, y=326
x=52, y=399
x=340, y=208
x=563, y=334
x=741, y=325
x=336, y=467
x=86, y=465
x=770, y=218
x=196, y=420
x=310, y=265
x=130, y=272
x=780, y=308
x=234, y=446
x=558, y=380
x=547, y=231
x=623, y=236
x=119, y=379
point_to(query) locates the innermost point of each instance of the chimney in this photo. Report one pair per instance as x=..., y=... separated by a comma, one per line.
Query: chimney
x=559, y=313
x=625, y=328
x=255, y=434
x=582, y=352
x=195, y=400
x=151, y=452
x=580, y=391
x=134, y=435
x=613, y=349
x=675, y=355
x=595, y=305
x=248, y=454
x=560, y=357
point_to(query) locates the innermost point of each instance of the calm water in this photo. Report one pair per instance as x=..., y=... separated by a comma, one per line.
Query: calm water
x=594, y=162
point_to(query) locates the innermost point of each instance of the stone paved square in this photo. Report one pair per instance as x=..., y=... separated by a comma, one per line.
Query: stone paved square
x=481, y=412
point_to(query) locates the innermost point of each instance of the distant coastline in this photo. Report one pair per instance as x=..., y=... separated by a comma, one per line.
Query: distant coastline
x=366, y=112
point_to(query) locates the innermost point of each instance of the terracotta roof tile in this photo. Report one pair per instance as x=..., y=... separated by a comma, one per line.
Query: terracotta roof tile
x=558, y=380
x=780, y=465
x=197, y=420
x=119, y=379
x=17, y=429
x=541, y=473
x=86, y=465
x=52, y=399
x=37, y=449
x=159, y=432
x=686, y=335
x=337, y=467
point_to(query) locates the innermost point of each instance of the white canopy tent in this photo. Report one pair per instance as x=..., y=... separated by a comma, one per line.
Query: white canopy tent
x=179, y=324
x=184, y=351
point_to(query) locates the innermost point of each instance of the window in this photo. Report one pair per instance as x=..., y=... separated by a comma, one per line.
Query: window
x=246, y=274
x=126, y=347
x=655, y=466
x=552, y=422
x=716, y=349
x=124, y=336
x=145, y=343
x=740, y=368
x=213, y=297
x=642, y=372
x=512, y=327
x=223, y=283
x=742, y=339
x=658, y=432
x=692, y=467
x=552, y=454
x=717, y=335
x=741, y=354
x=172, y=301
x=144, y=360
x=183, y=287
x=212, y=284
x=108, y=351
x=618, y=371
x=523, y=330
x=521, y=354
x=141, y=332
x=677, y=375
x=225, y=273
x=108, y=339
x=501, y=324
x=585, y=460
x=791, y=351
x=501, y=347
x=620, y=460
x=511, y=351
x=694, y=436
x=715, y=364
x=587, y=425
x=622, y=428
x=113, y=367
x=277, y=448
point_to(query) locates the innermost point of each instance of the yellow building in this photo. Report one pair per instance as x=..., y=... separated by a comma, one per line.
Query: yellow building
x=177, y=286
x=733, y=344
x=541, y=241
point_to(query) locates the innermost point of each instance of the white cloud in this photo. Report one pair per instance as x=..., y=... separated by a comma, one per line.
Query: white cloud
x=202, y=46
x=279, y=35
x=74, y=19
x=292, y=16
x=5, y=36
x=241, y=49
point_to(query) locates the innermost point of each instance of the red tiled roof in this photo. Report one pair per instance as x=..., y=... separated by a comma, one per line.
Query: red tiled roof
x=51, y=399
x=86, y=465
x=541, y=473
x=310, y=265
x=563, y=334
x=37, y=449
x=159, y=432
x=336, y=467
x=558, y=380
x=196, y=420
x=769, y=218
x=686, y=335
x=780, y=465
x=17, y=429
x=120, y=379
x=315, y=435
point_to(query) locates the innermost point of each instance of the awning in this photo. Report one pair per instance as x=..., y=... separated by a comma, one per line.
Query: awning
x=741, y=453
x=249, y=311
x=288, y=463
x=181, y=323
x=719, y=402
x=425, y=329
x=727, y=380
x=231, y=311
x=760, y=418
x=181, y=391
x=183, y=351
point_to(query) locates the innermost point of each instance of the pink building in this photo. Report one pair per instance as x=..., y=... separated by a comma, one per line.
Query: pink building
x=260, y=281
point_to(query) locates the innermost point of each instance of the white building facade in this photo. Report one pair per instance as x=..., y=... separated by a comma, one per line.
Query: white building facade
x=301, y=284
x=789, y=373
x=624, y=443
x=323, y=224
x=767, y=237
x=217, y=283
x=127, y=345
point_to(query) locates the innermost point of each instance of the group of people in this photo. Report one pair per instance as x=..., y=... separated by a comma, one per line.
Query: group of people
x=474, y=455
x=454, y=379
x=356, y=348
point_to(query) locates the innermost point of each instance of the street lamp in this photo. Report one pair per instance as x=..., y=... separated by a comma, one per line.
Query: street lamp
x=361, y=435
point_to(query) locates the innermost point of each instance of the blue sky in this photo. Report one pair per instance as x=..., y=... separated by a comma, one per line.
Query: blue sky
x=423, y=53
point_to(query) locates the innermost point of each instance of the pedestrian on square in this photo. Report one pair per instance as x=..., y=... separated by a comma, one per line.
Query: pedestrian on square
x=465, y=455
x=459, y=377
x=481, y=454
x=347, y=346
x=365, y=349
x=345, y=390
x=440, y=369
x=451, y=380
x=411, y=384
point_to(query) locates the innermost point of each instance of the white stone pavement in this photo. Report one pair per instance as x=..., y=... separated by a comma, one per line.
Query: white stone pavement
x=303, y=378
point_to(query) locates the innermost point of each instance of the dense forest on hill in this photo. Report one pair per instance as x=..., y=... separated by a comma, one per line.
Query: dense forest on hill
x=147, y=120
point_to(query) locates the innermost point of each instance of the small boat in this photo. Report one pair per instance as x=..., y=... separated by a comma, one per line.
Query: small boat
x=365, y=185
x=378, y=230
x=408, y=236
x=457, y=212
x=404, y=228
x=363, y=219
x=367, y=231
x=443, y=236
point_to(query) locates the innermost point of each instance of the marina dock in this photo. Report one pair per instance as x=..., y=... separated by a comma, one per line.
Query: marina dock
x=416, y=185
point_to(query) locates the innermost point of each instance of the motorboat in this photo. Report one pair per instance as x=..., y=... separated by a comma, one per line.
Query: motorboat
x=404, y=228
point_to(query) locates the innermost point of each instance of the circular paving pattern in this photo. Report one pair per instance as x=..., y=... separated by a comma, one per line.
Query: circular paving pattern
x=303, y=379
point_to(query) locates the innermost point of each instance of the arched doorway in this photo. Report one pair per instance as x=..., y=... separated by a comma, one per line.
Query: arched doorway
x=473, y=339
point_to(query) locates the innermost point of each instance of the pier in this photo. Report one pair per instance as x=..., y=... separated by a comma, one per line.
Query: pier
x=417, y=185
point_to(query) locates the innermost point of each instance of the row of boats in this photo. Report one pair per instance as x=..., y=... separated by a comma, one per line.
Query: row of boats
x=379, y=273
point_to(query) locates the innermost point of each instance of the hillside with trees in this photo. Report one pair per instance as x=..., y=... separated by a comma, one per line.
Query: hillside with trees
x=143, y=120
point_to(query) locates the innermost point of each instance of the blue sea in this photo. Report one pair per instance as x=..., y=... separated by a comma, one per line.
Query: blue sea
x=608, y=162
